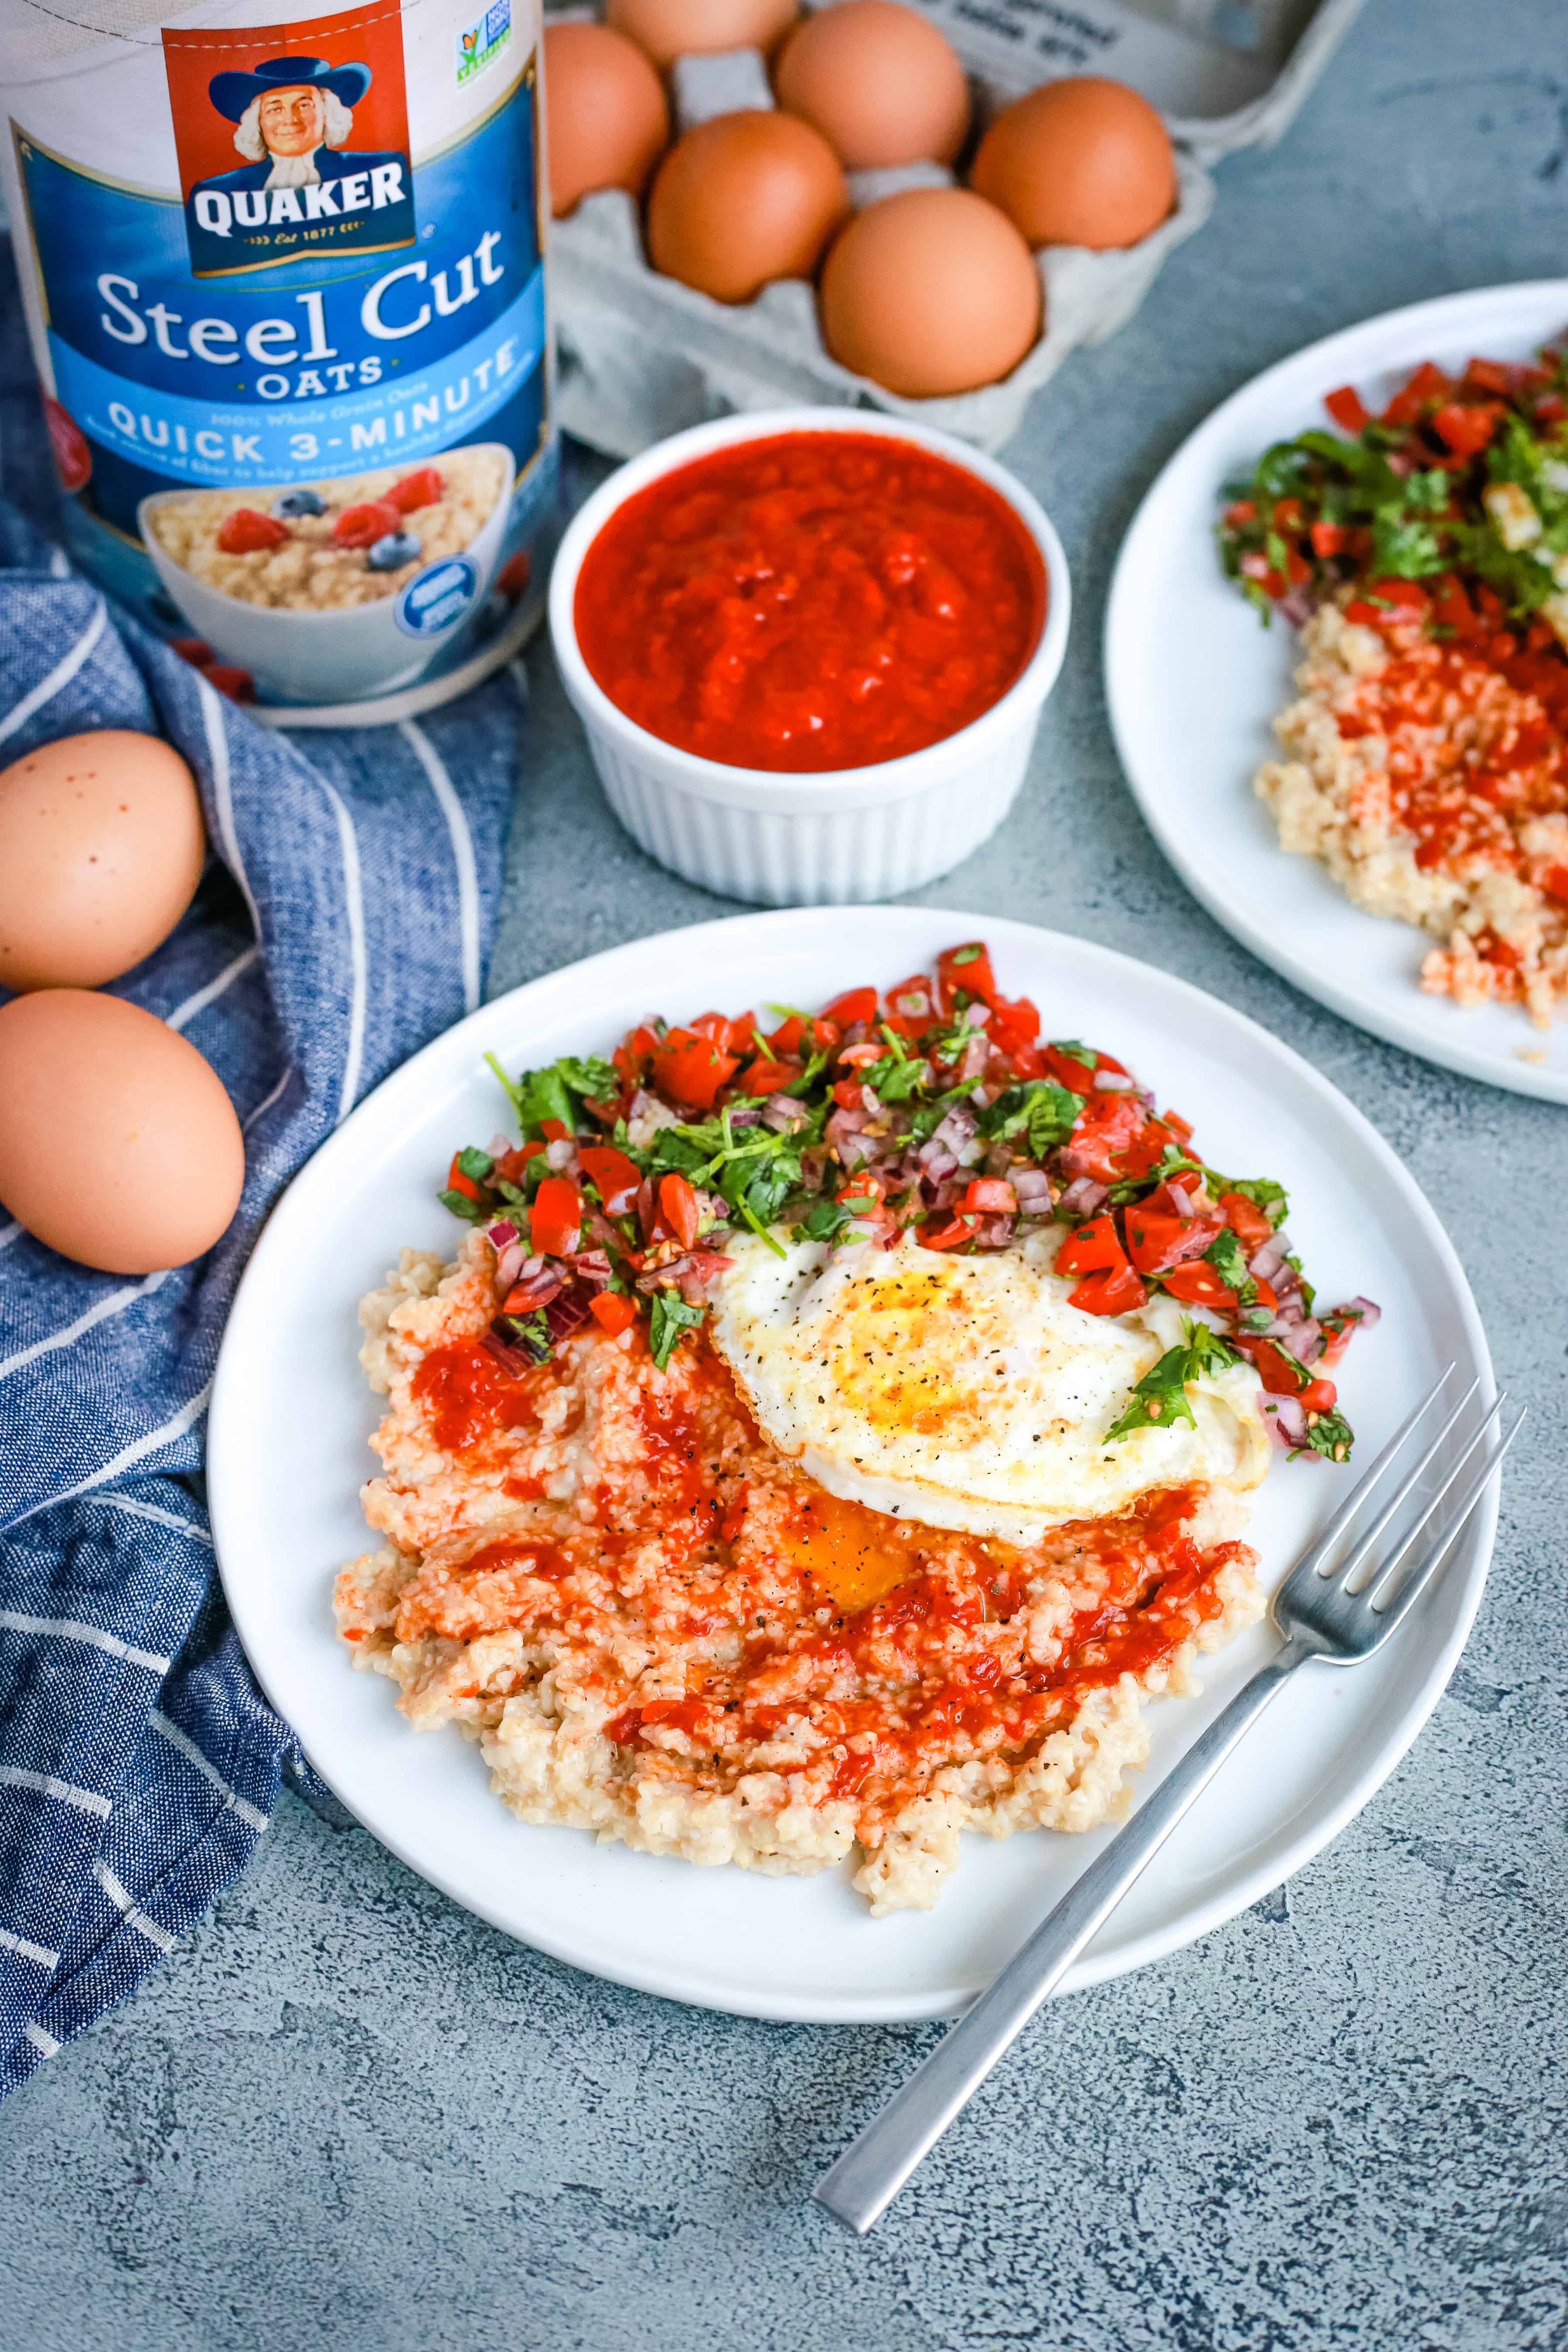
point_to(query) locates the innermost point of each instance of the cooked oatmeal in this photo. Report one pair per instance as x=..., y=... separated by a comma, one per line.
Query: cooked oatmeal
x=657, y=1628
x=327, y=546
x=1432, y=780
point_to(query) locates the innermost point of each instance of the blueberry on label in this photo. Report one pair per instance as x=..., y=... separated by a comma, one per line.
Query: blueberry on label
x=389, y=554
x=294, y=503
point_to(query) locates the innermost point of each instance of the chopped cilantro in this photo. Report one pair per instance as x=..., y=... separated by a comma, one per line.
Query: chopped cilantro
x=823, y=1220
x=671, y=1316
x=1161, y=1396
x=477, y=1166
x=531, y=1334
x=1225, y=1254
x=473, y=1213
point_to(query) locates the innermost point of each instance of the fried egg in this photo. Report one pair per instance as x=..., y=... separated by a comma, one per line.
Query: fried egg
x=966, y=1392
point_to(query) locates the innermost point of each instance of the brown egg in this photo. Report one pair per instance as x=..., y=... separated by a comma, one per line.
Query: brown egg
x=879, y=82
x=100, y=849
x=606, y=116
x=742, y=200
x=119, y=1147
x=931, y=292
x=668, y=29
x=1085, y=162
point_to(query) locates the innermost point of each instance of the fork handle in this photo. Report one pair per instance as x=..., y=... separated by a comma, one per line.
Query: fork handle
x=872, y=2170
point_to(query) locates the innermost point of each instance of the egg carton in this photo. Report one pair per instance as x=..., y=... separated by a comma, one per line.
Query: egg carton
x=642, y=356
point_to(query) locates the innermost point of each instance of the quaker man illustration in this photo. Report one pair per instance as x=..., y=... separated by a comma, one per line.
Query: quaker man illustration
x=294, y=119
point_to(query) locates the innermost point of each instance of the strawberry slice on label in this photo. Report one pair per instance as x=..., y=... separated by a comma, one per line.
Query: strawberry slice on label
x=68, y=447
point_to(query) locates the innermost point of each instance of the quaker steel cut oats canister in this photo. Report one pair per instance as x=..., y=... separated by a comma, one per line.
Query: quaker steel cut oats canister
x=285, y=285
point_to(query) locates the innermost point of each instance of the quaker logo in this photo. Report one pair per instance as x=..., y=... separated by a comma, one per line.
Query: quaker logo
x=288, y=156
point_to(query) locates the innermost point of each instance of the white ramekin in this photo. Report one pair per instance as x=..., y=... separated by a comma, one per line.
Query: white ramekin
x=850, y=832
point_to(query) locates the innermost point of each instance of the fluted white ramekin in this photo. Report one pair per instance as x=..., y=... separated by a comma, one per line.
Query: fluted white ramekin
x=845, y=834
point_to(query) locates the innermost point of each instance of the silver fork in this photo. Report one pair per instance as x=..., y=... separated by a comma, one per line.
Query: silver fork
x=1335, y=1609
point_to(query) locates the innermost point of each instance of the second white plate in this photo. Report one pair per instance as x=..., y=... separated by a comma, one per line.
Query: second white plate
x=291, y=1415
x=1193, y=681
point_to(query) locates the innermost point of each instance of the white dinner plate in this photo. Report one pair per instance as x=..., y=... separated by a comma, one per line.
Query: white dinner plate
x=1193, y=679
x=291, y=1415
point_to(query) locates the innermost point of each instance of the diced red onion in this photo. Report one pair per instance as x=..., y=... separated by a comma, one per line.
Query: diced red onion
x=781, y=1112
x=592, y=1267
x=566, y=1310
x=995, y=1232
x=1082, y=1197
x=1370, y=1312
x=499, y=1146
x=1180, y=1198
x=935, y=1160
x=560, y=1155
x=502, y=1233
x=1267, y=1261
x=499, y=1342
x=745, y=1114
x=1304, y=1340
x=509, y=1265
x=647, y=1208
x=1033, y=1188
x=1114, y=1082
x=976, y=1053
x=1289, y=1417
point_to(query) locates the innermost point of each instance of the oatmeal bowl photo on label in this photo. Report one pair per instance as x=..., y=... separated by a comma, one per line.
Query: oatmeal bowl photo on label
x=820, y=1431
x=350, y=586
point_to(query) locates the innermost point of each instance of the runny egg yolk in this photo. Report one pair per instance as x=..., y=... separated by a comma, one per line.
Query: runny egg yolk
x=893, y=1360
x=855, y=1554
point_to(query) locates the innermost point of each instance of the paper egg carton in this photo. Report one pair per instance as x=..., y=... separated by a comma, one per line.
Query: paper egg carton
x=643, y=356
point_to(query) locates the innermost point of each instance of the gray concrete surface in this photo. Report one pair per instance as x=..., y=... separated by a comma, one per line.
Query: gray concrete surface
x=350, y=2115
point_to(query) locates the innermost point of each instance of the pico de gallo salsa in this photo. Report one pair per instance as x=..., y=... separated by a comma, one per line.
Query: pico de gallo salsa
x=936, y=1108
x=1451, y=502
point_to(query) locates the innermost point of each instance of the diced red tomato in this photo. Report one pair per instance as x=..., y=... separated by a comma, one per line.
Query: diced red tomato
x=1246, y=1221
x=966, y=966
x=556, y=1218
x=1405, y=595
x=1467, y=427
x=612, y=1175
x=1319, y=1396
x=1014, y=1021
x=1077, y=1076
x=1281, y=1375
x=855, y=1004
x=736, y=1036
x=246, y=531
x=990, y=1196
x=678, y=1207
x=1197, y=1284
x=847, y=1093
x=423, y=488
x=362, y=526
x=1243, y=510
x=1288, y=515
x=512, y=1164
x=1328, y=538
x=613, y=1311
x=458, y=1182
x=769, y=1077
x=1427, y=384
x=1489, y=375
x=1115, y=1291
x=1157, y=1239
x=1091, y=1248
x=1347, y=408
x=690, y=1069
x=1104, y=1131
x=948, y=1234
x=68, y=447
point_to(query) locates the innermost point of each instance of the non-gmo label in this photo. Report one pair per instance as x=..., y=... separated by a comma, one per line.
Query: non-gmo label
x=320, y=138
x=433, y=599
x=480, y=43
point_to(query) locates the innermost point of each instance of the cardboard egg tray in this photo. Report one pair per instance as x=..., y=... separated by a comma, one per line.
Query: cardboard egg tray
x=642, y=356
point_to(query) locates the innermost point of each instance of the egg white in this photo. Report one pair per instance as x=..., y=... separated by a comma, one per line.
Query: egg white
x=966, y=1392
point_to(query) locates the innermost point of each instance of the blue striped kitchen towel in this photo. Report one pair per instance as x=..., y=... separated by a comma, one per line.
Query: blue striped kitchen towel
x=345, y=917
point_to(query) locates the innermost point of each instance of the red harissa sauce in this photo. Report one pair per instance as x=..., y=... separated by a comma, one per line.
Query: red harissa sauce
x=810, y=602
